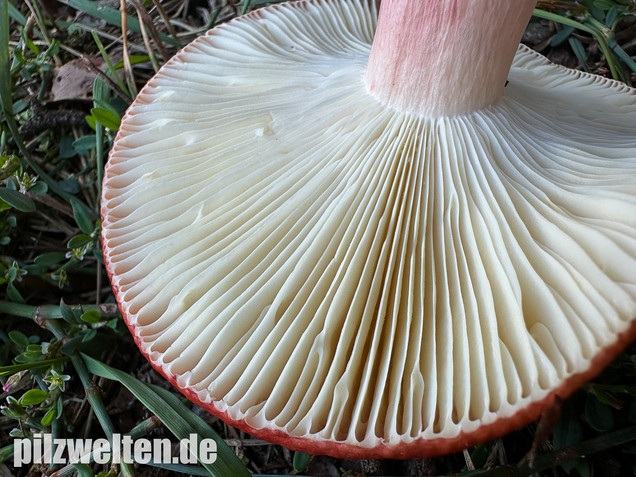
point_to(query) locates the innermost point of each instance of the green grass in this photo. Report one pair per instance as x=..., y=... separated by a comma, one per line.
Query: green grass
x=61, y=331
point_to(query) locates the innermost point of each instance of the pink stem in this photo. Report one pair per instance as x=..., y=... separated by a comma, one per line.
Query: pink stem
x=444, y=57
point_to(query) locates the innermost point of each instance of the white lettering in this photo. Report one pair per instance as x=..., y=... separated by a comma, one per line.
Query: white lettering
x=101, y=451
x=116, y=449
x=37, y=448
x=47, y=451
x=60, y=447
x=207, y=451
x=188, y=450
x=161, y=450
x=79, y=450
x=127, y=448
x=22, y=452
x=44, y=449
x=143, y=451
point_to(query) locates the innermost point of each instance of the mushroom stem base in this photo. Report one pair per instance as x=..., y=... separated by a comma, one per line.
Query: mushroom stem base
x=444, y=57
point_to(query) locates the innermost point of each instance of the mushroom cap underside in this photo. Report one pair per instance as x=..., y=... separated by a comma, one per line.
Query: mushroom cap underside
x=343, y=278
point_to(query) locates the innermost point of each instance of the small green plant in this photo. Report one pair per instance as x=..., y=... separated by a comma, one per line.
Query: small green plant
x=50, y=174
x=600, y=20
x=59, y=320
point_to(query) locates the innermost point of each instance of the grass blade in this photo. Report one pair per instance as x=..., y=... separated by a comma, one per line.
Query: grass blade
x=16, y=15
x=175, y=416
x=111, y=15
x=16, y=368
x=598, y=36
x=50, y=312
x=17, y=200
x=181, y=468
x=5, y=65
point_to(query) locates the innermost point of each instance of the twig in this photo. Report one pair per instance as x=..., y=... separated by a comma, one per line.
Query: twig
x=107, y=79
x=144, y=35
x=146, y=19
x=252, y=442
x=124, y=32
x=166, y=20
x=44, y=313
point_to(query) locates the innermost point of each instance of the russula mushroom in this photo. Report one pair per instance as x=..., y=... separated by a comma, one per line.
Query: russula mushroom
x=396, y=260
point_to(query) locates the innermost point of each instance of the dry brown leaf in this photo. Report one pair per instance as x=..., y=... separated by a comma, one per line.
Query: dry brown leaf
x=74, y=80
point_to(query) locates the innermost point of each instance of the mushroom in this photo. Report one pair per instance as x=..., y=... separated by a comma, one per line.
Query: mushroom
x=393, y=260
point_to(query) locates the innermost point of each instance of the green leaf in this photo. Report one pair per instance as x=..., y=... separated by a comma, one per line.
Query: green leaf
x=91, y=316
x=14, y=409
x=597, y=12
x=604, y=4
x=20, y=105
x=51, y=258
x=91, y=122
x=39, y=188
x=33, y=396
x=17, y=200
x=67, y=313
x=301, y=461
x=8, y=166
x=71, y=186
x=85, y=142
x=47, y=419
x=66, y=148
x=105, y=105
x=89, y=335
x=25, y=358
x=79, y=241
x=19, y=338
x=14, y=295
x=59, y=407
x=175, y=416
x=107, y=118
x=81, y=217
x=32, y=46
x=612, y=16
